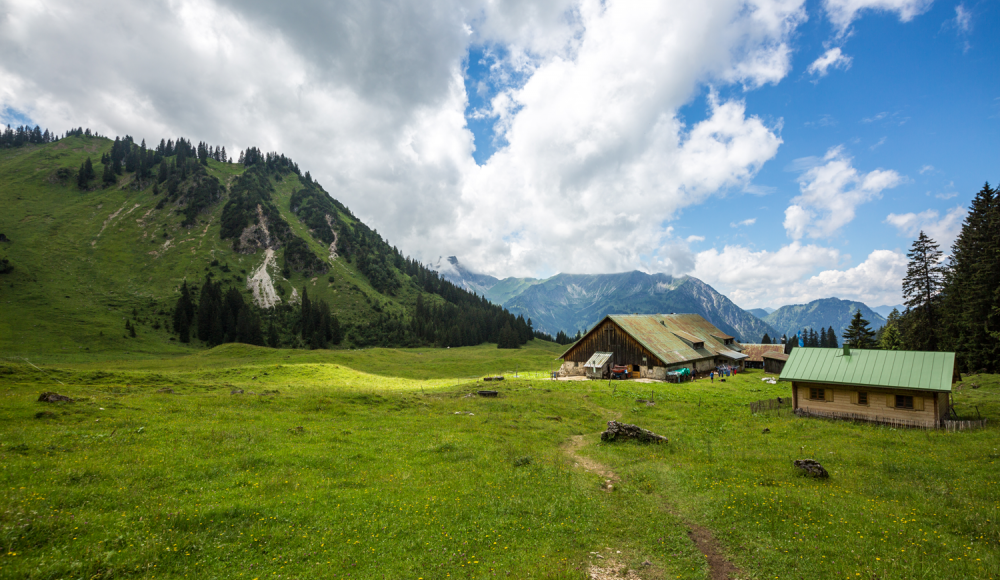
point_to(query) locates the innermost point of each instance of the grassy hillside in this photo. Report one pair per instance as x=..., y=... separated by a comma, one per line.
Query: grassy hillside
x=83, y=262
x=347, y=473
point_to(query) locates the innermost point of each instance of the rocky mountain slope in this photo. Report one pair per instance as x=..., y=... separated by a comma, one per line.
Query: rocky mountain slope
x=822, y=313
x=101, y=236
x=573, y=302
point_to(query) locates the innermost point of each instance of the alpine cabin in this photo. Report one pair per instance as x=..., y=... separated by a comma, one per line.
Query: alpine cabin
x=903, y=388
x=652, y=345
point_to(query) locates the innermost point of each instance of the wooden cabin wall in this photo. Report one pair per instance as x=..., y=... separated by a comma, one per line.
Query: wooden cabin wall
x=608, y=337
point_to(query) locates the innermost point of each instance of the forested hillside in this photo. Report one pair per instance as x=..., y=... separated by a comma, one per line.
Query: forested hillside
x=116, y=245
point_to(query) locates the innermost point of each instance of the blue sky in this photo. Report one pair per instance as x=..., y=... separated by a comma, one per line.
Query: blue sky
x=780, y=150
x=921, y=98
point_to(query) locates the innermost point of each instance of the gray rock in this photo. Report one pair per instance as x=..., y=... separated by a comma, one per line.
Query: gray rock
x=50, y=397
x=812, y=467
x=618, y=430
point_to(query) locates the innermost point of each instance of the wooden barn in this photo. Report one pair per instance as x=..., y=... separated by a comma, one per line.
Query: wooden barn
x=903, y=388
x=755, y=354
x=653, y=344
x=774, y=362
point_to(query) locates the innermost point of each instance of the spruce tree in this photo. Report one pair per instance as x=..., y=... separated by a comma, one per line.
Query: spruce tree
x=766, y=339
x=823, y=342
x=831, y=338
x=971, y=301
x=922, y=293
x=858, y=333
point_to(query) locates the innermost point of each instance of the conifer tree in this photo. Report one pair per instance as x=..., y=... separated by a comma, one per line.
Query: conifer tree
x=858, y=333
x=766, y=339
x=822, y=338
x=922, y=293
x=971, y=300
x=831, y=338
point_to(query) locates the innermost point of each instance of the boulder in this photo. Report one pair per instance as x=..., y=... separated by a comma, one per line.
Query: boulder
x=812, y=467
x=53, y=398
x=618, y=430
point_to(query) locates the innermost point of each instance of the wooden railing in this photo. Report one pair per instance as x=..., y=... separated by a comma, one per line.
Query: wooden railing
x=770, y=404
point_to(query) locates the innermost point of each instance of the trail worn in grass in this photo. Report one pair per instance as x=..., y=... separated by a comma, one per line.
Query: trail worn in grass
x=344, y=471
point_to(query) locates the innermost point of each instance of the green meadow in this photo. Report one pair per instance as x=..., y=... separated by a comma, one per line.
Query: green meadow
x=382, y=463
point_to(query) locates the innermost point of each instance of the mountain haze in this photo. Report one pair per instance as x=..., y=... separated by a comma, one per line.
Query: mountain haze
x=573, y=302
x=819, y=314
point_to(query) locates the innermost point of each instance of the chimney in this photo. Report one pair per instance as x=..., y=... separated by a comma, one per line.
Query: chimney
x=847, y=349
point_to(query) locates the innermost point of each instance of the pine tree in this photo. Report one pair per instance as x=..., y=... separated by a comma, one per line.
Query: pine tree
x=858, y=333
x=831, y=338
x=823, y=342
x=184, y=314
x=766, y=339
x=971, y=301
x=272, y=336
x=922, y=293
x=891, y=338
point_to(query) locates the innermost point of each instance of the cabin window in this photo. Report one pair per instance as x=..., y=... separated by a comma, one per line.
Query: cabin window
x=904, y=402
x=817, y=394
x=697, y=345
x=635, y=368
x=862, y=398
x=729, y=341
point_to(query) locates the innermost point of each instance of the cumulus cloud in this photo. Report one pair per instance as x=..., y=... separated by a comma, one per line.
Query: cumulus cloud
x=942, y=229
x=832, y=58
x=830, y=193
x=370, y=97
x=843, y=12
x=799, y=273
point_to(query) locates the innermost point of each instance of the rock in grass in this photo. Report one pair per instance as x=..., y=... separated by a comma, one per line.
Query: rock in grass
x=236, y=392
x=50, y=397
x=812, y=467
x=618, y=430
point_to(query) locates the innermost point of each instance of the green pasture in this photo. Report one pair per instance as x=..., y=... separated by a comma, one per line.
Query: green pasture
x=379, y=464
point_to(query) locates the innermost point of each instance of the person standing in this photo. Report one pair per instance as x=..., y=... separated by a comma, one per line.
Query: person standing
x=711, y=377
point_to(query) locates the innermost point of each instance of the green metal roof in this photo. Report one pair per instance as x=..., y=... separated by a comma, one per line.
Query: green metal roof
x=928, y=371
x=661, y=335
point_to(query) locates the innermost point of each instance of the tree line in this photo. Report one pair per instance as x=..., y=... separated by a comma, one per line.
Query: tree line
x=953, y=303
x=224, y=315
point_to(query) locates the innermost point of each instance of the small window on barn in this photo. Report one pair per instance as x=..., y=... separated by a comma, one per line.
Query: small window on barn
x=862, y=398
x=697, y=345
x=817, y=394
x=635, y=368
x=904, y=402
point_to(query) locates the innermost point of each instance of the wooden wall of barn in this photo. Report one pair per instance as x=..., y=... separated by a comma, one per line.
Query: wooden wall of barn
x=609, y=337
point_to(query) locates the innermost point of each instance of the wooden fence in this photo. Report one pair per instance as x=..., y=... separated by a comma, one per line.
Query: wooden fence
x=770, y=404
x=890, y=421
x=964, y=425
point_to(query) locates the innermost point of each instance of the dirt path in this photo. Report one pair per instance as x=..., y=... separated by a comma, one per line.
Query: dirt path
x=719, y=568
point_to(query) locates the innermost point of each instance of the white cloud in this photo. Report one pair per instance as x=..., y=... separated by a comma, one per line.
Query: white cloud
x=842, y=12
x=692, y=239
x=370, y=97
x=926, y=168
x=746, y=222
x=832, y=58
x=878, y=144
x=946, y=195
x=963, y=19
x=942, y=230
x=830, y=193
x=797, y=274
